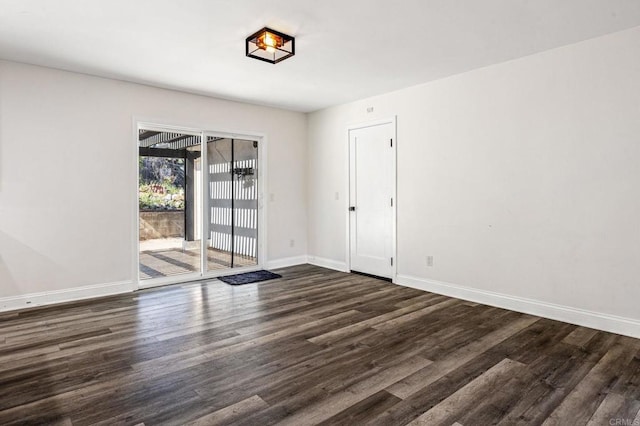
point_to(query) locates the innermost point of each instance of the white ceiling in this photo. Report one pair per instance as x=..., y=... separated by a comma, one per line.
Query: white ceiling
x=345, y=49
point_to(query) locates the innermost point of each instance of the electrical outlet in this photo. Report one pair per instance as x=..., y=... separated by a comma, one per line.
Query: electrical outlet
x=429, y=260
x=292, y=243
x=370, y=109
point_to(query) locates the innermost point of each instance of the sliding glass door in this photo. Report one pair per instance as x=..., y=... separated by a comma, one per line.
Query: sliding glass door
x=194, y=224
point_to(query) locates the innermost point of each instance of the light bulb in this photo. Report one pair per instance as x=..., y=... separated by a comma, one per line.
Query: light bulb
x=269, y=40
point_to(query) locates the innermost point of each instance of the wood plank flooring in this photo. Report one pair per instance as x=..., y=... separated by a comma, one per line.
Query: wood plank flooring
x=314, y=347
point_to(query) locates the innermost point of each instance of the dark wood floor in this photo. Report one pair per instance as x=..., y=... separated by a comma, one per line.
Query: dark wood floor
x=315, y=347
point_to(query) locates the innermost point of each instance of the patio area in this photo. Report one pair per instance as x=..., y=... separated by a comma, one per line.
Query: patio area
x=168, y=256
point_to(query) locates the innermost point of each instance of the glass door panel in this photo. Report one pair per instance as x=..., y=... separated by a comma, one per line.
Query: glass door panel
x=245, y=203
x=170, y=203
x=232, y=197
x=219, y=198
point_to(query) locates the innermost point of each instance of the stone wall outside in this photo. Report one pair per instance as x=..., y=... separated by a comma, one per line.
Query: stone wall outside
x=161, y=224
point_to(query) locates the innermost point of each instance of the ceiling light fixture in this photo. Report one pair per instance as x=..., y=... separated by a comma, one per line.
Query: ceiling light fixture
x=270, y=46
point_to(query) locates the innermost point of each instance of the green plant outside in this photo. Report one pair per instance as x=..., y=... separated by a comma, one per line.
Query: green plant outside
x=161, y=196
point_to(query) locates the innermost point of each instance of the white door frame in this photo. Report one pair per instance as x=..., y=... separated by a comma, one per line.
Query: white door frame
x=203, y=132
x=394, y=250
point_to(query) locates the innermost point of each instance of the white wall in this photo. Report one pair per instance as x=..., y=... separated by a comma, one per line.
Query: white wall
x=67, y=171
x=521, y=178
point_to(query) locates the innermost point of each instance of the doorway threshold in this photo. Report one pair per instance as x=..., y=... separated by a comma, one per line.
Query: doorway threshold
x=377, y=277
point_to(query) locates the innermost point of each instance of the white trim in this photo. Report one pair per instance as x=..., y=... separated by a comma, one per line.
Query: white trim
x=372, y=123
x=204, y=211
x=170, y=128
x=62, y=296
x=135, y=215
x=394, y=214
x=606, y=322
x=394, y=210
x=328, y=263
x=286, y=262
x=169, y=280
x=347, y=203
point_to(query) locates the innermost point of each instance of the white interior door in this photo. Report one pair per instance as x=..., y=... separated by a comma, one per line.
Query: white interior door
x=372, y=183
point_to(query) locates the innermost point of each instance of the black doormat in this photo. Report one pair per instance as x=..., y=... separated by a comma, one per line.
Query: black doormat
x=249, y=277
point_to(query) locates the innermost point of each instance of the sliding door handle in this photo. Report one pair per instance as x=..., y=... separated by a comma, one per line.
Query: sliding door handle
x=352, y=208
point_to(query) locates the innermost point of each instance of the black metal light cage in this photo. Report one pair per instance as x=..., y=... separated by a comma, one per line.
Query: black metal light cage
x=287, y=50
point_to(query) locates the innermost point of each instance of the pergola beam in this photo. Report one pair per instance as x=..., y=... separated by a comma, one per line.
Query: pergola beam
x=170, y=140
x=146, y=134
x=162, y=152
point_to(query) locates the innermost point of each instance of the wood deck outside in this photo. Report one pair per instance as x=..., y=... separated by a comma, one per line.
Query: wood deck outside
x=176, y=261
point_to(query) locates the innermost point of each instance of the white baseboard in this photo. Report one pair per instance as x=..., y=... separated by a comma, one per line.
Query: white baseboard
x=606, y=322
x=328, y=263
x=287, y=261
x=61, y=296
